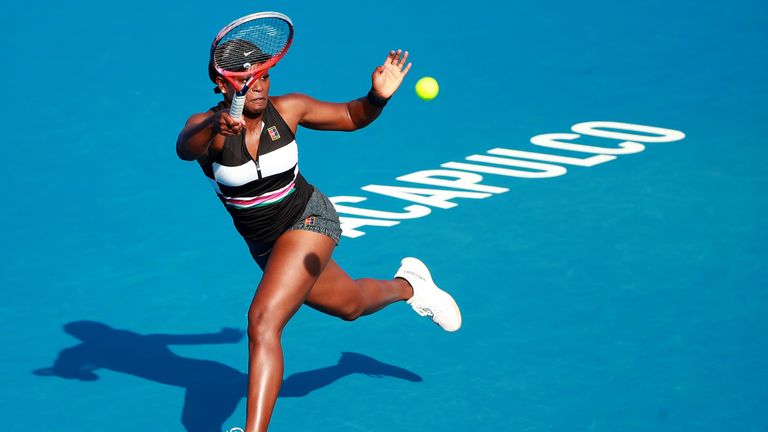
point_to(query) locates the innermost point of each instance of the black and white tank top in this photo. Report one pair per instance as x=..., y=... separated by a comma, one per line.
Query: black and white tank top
x=264, y=195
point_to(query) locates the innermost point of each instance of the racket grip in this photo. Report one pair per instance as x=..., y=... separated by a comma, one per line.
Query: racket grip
x=236, y=110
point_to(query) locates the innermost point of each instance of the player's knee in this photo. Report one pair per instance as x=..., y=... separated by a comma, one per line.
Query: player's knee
x=261, y=326
x=352, y=310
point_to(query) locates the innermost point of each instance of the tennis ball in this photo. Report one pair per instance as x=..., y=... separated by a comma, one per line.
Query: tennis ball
x=427, y=88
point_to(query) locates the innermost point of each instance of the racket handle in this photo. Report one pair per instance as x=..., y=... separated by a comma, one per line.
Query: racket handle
x=236, y=110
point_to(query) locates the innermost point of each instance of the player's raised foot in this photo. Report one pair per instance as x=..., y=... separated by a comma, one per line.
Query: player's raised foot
x=428, y=299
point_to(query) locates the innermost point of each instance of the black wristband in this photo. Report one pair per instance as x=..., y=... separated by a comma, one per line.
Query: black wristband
x=376, y=100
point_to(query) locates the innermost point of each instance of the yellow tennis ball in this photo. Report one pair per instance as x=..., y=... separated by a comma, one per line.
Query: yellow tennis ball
x=427, y=88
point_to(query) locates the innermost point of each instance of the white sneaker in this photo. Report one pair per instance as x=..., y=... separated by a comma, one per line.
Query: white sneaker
x=428, y=299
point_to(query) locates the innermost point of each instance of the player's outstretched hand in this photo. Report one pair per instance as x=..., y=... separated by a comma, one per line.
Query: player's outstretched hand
x=387, y=78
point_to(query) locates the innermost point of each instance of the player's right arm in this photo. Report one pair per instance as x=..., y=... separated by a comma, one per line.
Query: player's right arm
x=201, y=128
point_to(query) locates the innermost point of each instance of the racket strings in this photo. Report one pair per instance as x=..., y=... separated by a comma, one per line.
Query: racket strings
x=251, y=43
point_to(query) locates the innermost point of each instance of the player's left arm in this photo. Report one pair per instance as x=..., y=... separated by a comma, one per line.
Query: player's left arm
x=355, y=114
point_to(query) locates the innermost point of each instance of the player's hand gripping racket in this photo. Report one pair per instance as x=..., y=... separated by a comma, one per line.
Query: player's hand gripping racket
x=246, y=49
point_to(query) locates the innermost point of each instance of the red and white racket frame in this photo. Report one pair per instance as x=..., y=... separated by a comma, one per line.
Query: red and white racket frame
x=256, y=72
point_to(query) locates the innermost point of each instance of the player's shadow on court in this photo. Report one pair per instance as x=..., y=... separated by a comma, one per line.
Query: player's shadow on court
x=213, y=390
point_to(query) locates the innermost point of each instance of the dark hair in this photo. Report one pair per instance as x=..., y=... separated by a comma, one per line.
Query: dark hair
x=234, y=55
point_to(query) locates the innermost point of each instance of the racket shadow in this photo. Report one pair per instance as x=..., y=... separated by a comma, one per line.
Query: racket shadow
x=213, y=389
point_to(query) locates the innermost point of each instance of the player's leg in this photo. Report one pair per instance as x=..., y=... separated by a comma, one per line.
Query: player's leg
x=296, y=261
x=337, y=294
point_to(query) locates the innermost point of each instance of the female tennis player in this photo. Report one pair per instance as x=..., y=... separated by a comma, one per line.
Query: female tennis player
x=290, y=227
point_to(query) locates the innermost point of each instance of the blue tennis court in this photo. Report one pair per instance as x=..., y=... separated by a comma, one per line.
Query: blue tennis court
x=603, y=287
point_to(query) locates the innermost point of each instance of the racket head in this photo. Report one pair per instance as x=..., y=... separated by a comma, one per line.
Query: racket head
x=247, y=47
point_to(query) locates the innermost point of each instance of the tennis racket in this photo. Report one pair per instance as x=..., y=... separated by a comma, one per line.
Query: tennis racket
x=247, y=48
